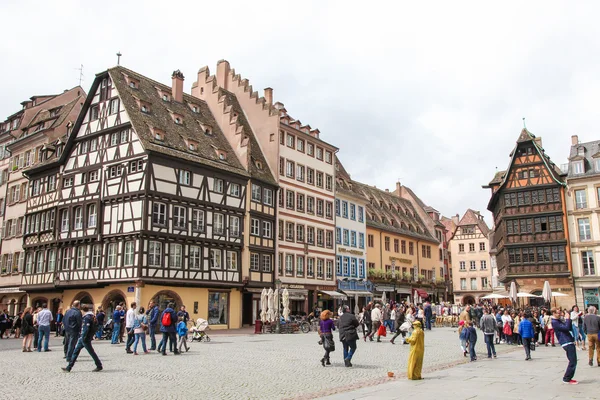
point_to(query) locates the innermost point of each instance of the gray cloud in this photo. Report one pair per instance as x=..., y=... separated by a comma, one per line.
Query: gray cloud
x=431, y=93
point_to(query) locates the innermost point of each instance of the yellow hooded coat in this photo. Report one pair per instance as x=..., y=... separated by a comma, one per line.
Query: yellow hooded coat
x=417, y=351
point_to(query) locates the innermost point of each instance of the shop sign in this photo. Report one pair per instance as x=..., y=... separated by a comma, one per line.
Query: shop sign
x=293, y=286
x=355, y=252
x=130, y=289
x=384, y=288
x=402, y=260
x=590, y=297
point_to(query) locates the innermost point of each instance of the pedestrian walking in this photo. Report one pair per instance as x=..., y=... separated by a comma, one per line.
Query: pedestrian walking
x=488, y=327
x=140, y=326
x=88, y=330
x=591, y=324
x=417, y=352
x=182, y=332
x=18, y=324
x=116, y=325
x=463, y=337
x=347, y=325
x=43, y=321
x=507, y=330
x=35, y=327
x=368, y=322
x=153, y=314
x=578, y=333
x=472, y=335
x=59, y=322
x=527, y=333
x=169, y=328
x=376, y=317
x=549, y=329
x=4, y=323
x=129, y=321
x=72, y=325
x=183, y=313
x=326, y=328
x=27, y=330
x=401, y=329
x=563, y=331
x=100, y=319
x=428, y=315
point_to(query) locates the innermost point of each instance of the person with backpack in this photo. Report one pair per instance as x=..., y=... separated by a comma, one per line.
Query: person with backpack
x=88, y=330
x=153, y=314
x=182, y=331
x=169, y=328
x=72, y=326
x=140, y=325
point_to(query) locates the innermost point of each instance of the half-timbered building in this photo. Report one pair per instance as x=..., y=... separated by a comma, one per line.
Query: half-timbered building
x=24, y=136
x=531, y=231
x=149, y=203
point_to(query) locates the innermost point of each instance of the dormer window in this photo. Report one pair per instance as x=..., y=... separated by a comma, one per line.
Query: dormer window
x=222, y=156
x=207, y=129
x=258, y=164
x=165, y=97
x=192, y=146
x=581, y=151
x=578, y=167
x=159, y=136
x=177, y=120
x=195, y=109
x=145, y=109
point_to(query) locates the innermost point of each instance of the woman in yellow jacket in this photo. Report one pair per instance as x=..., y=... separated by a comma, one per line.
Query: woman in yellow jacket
x=417, y=351
x=516, y=335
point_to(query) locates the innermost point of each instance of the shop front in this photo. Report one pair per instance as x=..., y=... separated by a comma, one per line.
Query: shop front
x=590, y=298
x=331, y=299
x=359, y=293
x=403, y=293
x=380, y=289
x=299, y=299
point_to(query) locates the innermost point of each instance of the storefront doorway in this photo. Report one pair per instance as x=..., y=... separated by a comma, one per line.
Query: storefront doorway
x=111, y=301
x=164, y=297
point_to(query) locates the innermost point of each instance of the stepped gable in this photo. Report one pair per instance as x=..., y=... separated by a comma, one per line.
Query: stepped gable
x=257, y=164
x=473, y=217
x=389, y=212
x=160, y=117
x=247, y=88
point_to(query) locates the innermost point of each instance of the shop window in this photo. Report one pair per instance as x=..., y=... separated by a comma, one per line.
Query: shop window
x=218, y=307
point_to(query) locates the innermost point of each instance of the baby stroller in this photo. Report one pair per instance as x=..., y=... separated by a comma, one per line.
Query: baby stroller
x=199, y=331
x=107, y=330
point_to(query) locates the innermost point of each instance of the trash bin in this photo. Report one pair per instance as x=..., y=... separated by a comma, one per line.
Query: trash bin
x=258, y=326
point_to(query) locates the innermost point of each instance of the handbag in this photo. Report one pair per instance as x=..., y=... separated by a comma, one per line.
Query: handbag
x=507, y=330
x=381, y=331
x=328, y=343
x=405, y=326
x=532, y=346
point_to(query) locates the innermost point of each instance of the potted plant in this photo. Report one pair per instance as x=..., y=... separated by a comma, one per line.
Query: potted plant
x=405, y=276
x=3, y=270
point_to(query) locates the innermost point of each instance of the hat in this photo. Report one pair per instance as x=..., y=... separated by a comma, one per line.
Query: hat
x=461, y=323
x=417, y=324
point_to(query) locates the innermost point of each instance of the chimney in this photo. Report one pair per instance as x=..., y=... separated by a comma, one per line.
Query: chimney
x=574, y=140
x=269, y=95
x=455, y=219
x=177, y=86
x=223, y=73
x=398, y=187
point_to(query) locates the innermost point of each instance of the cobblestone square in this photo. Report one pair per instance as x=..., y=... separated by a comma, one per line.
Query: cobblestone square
x=229, y=367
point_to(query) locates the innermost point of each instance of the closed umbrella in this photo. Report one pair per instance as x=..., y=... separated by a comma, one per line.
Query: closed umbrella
x=356, y=308
x=513, y=292
x=286, y=304
x=383, y=298
x=263, y=305
x=416, y=299
x=270, y=311
x=547, y=292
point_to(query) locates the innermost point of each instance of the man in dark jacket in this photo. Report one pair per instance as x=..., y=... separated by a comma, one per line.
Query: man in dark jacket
x=428, y=315
x=153, y=314
x=169, y=331
x=347, y=324
x=488, y=327
x=562, y=330
x=72, y=325
x=367, y=321
x=85, y=341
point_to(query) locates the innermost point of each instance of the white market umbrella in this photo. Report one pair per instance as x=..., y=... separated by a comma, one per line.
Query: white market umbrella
x=383, y=298
x=559, y=294
x=417, y=298
x=286, y=304
x=270, y=311
x=356, y=308
x=263, y=305
x=495, y=296
x=546, y=292
x=523, y=294
x=513, y=292
x=276, y=304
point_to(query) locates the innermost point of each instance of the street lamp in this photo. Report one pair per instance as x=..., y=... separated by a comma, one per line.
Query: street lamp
x=278, y=287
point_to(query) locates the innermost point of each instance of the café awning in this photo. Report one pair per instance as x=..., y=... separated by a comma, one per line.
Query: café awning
x=359, y=293
x=422, y=294
x=335, y=295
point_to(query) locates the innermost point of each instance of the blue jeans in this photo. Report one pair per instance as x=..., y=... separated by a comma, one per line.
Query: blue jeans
x=152, y=331
x=428, y=322
x=70, y=343
x=472, y=350
x=43, y=330
x=139, y=337
x=99, y=332
x=489, y=342
x=572, y=356
x=349, y=349
x=88, y=346
x=389, y=324
x=115, y=333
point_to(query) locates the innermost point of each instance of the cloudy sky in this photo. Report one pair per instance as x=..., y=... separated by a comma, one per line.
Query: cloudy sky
x=432, y=95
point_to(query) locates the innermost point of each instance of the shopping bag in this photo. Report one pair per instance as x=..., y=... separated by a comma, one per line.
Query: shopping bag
x=532, y=346
x=381, y=331
x=507, y=330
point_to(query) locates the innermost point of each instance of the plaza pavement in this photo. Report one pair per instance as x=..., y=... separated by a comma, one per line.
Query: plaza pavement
x=273, y=367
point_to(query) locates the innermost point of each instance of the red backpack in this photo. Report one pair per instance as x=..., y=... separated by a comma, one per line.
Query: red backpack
x=166, y=319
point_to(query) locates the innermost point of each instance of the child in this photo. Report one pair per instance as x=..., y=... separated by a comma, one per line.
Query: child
x=182, y=331
x=463, y=336
x=472, y=337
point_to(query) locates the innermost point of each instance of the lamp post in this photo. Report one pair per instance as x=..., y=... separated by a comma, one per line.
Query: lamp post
x=278, y=287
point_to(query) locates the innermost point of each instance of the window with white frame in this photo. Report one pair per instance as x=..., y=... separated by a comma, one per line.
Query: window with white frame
x=218, y=185
x=234, y=190
x=585, y=232
x=578, y=167
x=39, y=261
x=587, y=262
x=111, y=255
x=483, y=265
x=78, y=218
x=51, y=260
x=195, y=258
x=128, y=254
x=92, y=215
x=255, y=227
x=179, y=220
x=300, y=173
x=463, y=265
x=289, y=169
x=80, y=258
x=232, y=260
x=198, y=220
x=66, y=258
x=175, y=255
x=154, y=253
x=29, y=263
x=254, y=262
x=473, y=283
x=218, y=224
x=580, y=199
x=256, y=193
x=216, y=258
x=234, y=226
x=463, y=283
x=289, y=264
x=159, y=213
x=267, y=263
x=96, y=255
x=268, y=197
x=267, y=229
x=472, y=265
x=64, y=221
x=185, y=177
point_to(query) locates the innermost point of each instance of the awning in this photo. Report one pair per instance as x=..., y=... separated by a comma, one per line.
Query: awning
x=297, y=298
x=335, y=295
x=422, y=294
x=403, y=290
x=11, y=290
x=358, y=293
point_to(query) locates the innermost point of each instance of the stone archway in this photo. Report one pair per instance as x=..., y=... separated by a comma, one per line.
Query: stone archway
x=164, y=297
x=468, y=299
x=38, y=301
x=111, y=300
x=84, y=298
x=22, y=303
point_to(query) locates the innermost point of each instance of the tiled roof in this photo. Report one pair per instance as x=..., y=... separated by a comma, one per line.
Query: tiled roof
x=256, y=154
x=174, y=143
x=473, y=217
x=450, y=227
x=591, y=153
x=343, y=183
x=383, y=208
